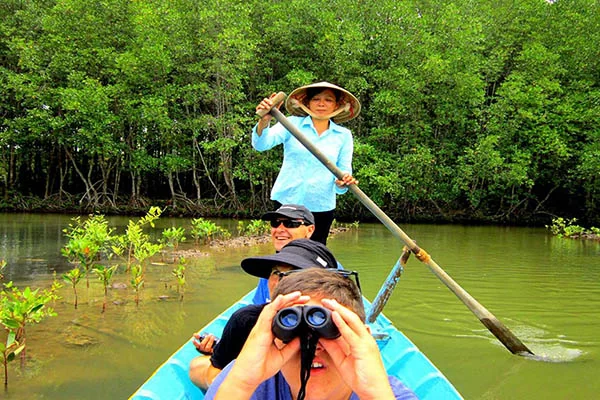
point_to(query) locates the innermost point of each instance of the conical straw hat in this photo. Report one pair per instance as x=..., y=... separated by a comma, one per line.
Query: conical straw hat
x=349, y=107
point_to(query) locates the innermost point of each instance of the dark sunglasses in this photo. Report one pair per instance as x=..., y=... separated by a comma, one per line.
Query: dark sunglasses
x=343, y=272
x=288, y=223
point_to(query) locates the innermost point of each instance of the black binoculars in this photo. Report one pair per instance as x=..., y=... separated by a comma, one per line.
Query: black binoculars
x=301, y=320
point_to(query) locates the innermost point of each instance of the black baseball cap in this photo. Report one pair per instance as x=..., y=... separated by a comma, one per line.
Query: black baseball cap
x=299, y=254
x=291, y=211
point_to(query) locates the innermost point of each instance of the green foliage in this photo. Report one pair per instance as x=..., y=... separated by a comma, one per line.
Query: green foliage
x=204, y=230
x=88, y=240
x=135, y=244
x=73, y=277
x=586, y=174
x=173, y=236
x=255, y=227
x=137, y=281
x=566, y=228
x=105, y=275
x=8, y=352
x=19, y=308
x=2, y=266
x=153, y=101
x=179, y=274
x=56, y=285
x=152, y=215
x=22, y=307
x=484, y=174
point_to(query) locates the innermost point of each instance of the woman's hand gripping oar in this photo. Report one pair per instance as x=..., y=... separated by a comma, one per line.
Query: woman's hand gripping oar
x=506, y=337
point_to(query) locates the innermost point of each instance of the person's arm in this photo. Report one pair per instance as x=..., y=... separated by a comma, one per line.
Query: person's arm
x=263, y=122
x=344, y=163
x=258, y=141
x=356, y=355
x=202, y=372
x=260, y=357
x=263, y=136
x=269, y=137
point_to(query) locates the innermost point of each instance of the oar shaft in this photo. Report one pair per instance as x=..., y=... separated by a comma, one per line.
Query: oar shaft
x=388, y=286
x=510, y=341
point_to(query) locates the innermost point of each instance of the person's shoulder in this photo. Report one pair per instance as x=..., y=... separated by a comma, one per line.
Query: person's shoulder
x=250, y=311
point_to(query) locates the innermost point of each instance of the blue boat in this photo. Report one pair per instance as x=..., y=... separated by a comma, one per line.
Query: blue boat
x=401, y=358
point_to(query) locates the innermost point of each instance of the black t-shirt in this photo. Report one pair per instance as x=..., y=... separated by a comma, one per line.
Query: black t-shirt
x=235, y=333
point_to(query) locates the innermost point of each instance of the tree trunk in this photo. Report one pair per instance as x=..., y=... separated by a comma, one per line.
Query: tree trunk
x=11, y=169
x=172, y=189
x=214, y=185
x=88, y=186
x=228, y=175
x=63, y=175
x=195, y=178
x=118, y=171
x=93, y=196
x=133, y=198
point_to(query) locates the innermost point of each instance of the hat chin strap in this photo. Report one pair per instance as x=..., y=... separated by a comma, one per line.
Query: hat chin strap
x=345, y=108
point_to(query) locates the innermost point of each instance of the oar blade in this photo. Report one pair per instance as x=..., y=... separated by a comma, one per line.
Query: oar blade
x=504, y=335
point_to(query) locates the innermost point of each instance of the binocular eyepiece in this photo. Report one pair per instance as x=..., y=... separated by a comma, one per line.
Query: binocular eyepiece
x=301, y=320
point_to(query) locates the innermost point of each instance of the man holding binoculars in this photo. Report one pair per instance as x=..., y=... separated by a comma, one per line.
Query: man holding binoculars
x=289, y=356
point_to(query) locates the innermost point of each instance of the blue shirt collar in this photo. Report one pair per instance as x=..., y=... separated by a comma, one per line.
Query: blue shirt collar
x=333, y=127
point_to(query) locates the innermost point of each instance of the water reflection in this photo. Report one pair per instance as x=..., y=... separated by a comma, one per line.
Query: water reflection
x=31, y=244
x=544, y=289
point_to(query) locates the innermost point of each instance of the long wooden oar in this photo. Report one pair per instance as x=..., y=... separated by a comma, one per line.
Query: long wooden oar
x=508, y=339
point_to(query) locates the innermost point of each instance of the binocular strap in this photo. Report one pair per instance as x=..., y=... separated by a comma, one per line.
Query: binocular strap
x=308, y=348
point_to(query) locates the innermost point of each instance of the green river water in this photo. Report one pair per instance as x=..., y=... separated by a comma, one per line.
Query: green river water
x=546, y=290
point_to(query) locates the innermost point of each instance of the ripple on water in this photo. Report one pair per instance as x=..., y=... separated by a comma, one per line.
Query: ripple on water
x=545, y=348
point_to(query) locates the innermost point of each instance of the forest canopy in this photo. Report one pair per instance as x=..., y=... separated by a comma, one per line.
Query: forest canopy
x=472, y=111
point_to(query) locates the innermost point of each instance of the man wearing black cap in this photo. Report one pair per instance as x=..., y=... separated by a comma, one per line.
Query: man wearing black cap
x=298, y=254
x=288, y=222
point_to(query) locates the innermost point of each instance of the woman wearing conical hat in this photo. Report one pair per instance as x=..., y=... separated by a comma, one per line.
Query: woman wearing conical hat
x=316, y=110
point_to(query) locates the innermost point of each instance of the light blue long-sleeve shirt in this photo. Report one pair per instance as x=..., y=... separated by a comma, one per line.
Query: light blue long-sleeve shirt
x=303, y=179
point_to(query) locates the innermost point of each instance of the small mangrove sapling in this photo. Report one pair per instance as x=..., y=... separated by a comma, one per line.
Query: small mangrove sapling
x=128, y=245
x=73, y=277
x=8, y=352
x=179, y=274
x=255, y=227
x=205, y=230
x=137, y=280
x=87, y=241
x=105, y=275
x=17, y=309
x=173, y=236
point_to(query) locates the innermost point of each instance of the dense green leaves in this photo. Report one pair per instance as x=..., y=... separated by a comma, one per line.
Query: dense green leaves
x=487, y=111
